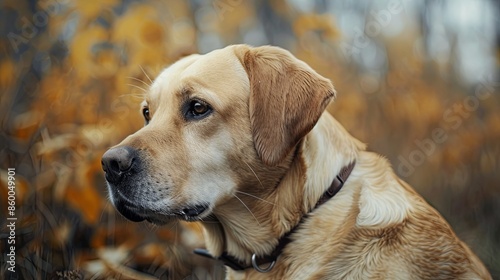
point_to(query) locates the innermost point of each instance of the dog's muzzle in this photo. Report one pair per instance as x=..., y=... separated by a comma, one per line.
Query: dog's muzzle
x=123, y=168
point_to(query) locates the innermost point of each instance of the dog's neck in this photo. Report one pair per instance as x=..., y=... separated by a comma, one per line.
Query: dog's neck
x=250, y=224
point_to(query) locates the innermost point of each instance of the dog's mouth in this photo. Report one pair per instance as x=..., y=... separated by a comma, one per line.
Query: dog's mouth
x=192, y=213
x=189, y=213
x=128, y=211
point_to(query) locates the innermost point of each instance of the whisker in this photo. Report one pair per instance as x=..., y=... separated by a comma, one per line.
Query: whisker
x=146, y=74
x=141, y=88
x=173, y=224
x=104, y=208
x=247, y=208
x=176, y=235
x=139, y=80
x=140, y=96
x=255, y=174
x=256, y=197
x=152, y=227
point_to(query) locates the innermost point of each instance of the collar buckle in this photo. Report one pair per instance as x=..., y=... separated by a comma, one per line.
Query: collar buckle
x=258, y=268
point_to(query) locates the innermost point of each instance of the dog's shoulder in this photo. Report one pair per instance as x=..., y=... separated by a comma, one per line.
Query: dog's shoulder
x=383, y=200
x=378, y=227
x=400, y=233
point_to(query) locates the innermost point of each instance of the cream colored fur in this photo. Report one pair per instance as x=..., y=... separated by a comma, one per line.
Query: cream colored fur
x=263, y=158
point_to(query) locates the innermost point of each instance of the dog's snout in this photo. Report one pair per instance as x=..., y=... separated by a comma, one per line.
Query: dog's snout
x=117, y=161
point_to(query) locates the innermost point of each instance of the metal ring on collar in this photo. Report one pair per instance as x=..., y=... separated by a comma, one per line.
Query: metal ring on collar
x=258, y=268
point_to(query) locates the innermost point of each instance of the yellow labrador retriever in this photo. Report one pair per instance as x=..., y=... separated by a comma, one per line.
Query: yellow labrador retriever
x=239, y=140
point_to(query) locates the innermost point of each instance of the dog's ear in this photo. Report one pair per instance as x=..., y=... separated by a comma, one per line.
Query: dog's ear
x=287, y=98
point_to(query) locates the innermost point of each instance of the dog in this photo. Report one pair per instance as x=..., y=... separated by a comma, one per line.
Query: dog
x=239, y=140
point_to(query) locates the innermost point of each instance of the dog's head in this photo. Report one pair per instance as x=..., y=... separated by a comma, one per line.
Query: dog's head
x=214, y=124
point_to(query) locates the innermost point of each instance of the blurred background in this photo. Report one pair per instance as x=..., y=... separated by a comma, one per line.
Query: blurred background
x=417, y=80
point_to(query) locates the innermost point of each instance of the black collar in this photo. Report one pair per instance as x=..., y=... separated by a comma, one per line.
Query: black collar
x=235, y=264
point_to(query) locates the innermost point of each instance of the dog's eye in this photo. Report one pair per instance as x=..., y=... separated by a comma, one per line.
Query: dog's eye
x=197, y=109
x=145, y=113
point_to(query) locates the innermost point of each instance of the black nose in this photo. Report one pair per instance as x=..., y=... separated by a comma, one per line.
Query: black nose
x=118, y=161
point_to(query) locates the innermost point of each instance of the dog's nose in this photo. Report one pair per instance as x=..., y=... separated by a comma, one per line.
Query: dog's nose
x=116, y=162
